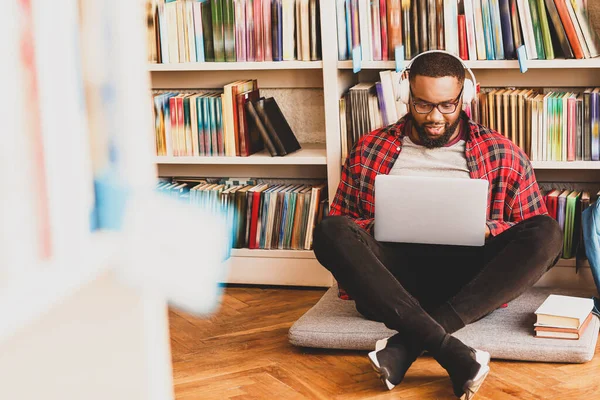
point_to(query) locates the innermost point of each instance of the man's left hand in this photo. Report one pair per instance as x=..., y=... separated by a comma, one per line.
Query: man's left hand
x=487, y=231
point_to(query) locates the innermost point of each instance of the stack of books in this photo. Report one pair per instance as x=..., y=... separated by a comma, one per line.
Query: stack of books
x=563, y=317
x=234, y=122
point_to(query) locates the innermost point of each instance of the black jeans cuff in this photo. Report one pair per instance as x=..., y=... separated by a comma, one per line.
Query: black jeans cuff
x=447, y=317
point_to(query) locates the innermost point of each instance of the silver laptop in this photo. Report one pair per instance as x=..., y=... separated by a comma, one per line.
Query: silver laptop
x=416, y=209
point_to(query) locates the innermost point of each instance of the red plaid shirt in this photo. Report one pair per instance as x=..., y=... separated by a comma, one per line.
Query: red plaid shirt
x=513, y=196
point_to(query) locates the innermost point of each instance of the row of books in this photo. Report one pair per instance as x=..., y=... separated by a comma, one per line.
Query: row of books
x=548, y=125
x=233, y=30
x=566, y=206
x=472, y=29
x=259, y=215
x=368, y=106
x=234, y=122
x=563, y=317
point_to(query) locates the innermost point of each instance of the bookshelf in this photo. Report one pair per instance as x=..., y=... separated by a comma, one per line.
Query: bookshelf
x=310, y=154
x=333, y=78
x=491, y=64
x=236, y=66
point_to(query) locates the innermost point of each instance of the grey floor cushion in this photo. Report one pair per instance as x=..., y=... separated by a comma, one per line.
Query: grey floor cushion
x=506, y=333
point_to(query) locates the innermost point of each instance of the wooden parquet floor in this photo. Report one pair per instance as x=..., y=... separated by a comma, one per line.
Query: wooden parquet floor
x=242, y=352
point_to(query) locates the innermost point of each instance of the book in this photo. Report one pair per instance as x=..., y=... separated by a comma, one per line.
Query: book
x=560, y=311
x=557, y=28
x=260, y=126
x=563, y=333
x=572, y=219
x=277, y=126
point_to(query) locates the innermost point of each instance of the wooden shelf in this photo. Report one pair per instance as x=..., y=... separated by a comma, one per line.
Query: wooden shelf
x=565, y=165
x=235, y=66
x=491, y=64
x=309, y=154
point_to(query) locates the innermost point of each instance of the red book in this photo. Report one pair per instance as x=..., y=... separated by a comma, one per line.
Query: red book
x=173, y=122
x=258, y=31
x=463, y=51
x=561, y=7
x=394, y=26
x=384, y=30
x=180, y=127
x=552, y=203
x=255, y=193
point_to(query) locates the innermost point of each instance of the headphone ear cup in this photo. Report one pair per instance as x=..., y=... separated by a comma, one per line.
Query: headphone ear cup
x=404, y=91
x=468, y=91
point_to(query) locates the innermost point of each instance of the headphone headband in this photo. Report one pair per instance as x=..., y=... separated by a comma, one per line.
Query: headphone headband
x=468, y=85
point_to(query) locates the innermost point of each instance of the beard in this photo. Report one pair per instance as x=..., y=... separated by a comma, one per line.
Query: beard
x=431, y=143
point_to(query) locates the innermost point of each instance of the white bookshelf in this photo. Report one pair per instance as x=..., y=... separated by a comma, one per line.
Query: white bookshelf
x=235, y=66
x=334, y=78
x=566, y=165
x=491, y=64
x=309, y=154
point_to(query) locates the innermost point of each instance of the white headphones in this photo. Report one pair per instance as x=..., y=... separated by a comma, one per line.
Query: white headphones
x=468, y=93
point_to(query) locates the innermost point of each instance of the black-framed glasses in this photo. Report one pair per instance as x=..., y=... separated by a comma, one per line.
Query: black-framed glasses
x=446, y=107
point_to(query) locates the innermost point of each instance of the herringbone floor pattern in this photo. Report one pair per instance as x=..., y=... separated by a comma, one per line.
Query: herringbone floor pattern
x=242, y=352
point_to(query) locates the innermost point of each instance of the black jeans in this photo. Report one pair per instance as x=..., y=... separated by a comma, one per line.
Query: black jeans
x=425, y=291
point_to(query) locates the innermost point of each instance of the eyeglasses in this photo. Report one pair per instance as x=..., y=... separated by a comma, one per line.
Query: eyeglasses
x=446, y=107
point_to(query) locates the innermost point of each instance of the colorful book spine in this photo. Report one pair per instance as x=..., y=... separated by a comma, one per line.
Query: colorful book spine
x=394, y=25
x=259, y=54
x=556, y=23
x=200, y=121
x=572, y=128
x=545, y=29
x=567, y=23
x=198, y=33
x=595, y=123
x=470, y=23
x=229, y=30
x=496, y=25
x=407, y=29
x=266, y=31
x=314, y=30
x=164, y=38
x=356, y=44
x=488, y=29
x=207, y=30
x=250, y=34
x=537, y=29
x=277, y=29
x=288, y=29
x=451, y=29
x=189, y=31
x=376, y=30
x=462, y=38
x=218, y=29
x=385, y=53
x=240, y=30
x=342, y=37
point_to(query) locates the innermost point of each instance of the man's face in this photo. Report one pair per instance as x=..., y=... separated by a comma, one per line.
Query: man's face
x=435, y=129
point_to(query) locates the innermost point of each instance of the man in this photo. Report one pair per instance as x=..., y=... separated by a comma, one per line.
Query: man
x=426, y=292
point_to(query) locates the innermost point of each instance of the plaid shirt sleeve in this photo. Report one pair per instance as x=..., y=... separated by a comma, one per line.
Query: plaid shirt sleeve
x=523, y=201
x=346, y=199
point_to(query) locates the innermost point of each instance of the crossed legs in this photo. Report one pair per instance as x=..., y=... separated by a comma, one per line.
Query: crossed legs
x=425, y=292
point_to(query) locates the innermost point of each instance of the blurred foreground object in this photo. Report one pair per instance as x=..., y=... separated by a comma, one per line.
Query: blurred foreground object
x=89, y=253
